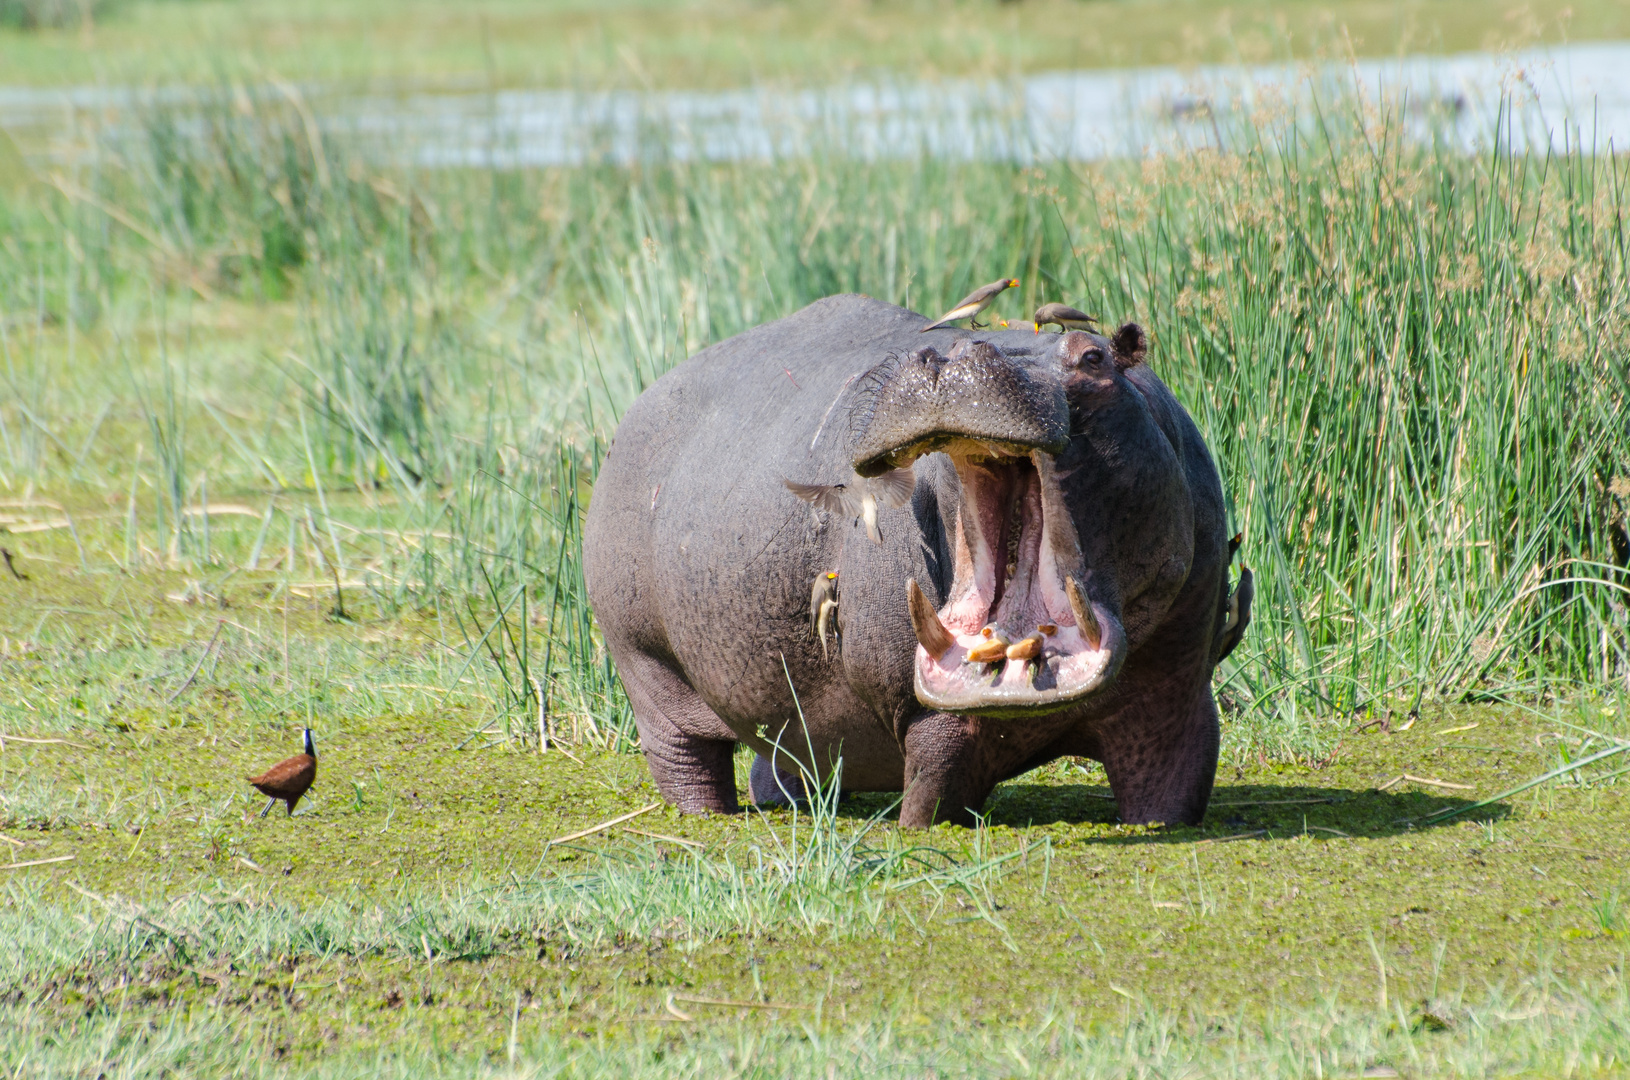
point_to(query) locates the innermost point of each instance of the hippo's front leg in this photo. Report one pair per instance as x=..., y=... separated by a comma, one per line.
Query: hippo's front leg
x=945, y=779
x=1160, y=756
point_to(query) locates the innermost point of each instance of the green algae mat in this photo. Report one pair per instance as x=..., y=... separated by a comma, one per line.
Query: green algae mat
x=474, y=897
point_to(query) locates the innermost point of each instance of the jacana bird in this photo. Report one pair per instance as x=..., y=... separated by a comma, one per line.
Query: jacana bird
x=971, y=305
x=288, y=779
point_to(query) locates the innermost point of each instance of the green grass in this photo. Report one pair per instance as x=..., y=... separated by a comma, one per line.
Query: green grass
x=287, y=437
x=1536, y=1031
x=638, y=43
x=417, y=913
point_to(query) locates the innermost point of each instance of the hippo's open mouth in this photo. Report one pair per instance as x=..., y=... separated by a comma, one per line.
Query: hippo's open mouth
x=1020, y=632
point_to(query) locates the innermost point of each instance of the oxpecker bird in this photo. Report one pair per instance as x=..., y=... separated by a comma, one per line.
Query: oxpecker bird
x=1064, y=317
x=288, y=779
x=823, y=605
x=859, y=497
x=975, y=302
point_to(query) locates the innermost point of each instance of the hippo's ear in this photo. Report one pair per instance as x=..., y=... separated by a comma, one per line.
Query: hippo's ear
x=1130, y=345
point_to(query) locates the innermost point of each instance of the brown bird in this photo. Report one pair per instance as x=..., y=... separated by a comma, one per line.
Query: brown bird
x=288, y=779
x=971, y=305
x=823, y=606
x=859, y=497
x=1064, y=317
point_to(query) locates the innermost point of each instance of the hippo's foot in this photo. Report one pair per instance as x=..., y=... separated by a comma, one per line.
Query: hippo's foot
x=688, y=748
x=771, y=786
x=697, y=776
x=944, y=780
x=1161, y=767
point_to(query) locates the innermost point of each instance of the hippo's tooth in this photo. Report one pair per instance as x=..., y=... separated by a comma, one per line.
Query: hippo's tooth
x=988, y=651
x=1062, y=541
x=931, y=633
x=1084, y=618
x=1026, y=648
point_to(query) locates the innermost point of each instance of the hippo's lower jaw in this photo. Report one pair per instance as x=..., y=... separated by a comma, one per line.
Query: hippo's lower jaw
x=1021, y=633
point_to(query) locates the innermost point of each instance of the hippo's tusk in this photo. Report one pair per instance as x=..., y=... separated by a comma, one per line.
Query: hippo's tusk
x=931, y=633
x=1084, y=618
x=1026, y=648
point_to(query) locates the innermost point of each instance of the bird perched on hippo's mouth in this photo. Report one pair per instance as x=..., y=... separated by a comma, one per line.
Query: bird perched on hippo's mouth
x=290, y=778
x=971, y=305
x=1064, y=317
x=859, y=497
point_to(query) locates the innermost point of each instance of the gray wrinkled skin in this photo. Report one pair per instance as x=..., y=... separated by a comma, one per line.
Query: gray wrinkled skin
x=984, y=396
x=699, y=562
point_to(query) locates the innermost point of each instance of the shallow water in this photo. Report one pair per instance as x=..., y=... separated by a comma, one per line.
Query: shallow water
x=1560, y=97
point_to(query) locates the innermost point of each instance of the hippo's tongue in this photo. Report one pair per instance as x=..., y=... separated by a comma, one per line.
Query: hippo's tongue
x=1020, y=631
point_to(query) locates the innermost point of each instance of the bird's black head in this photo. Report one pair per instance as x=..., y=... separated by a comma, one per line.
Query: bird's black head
x=311, y=747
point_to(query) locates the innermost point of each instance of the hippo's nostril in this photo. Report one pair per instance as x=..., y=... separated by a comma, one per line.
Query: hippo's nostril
x=931, y=361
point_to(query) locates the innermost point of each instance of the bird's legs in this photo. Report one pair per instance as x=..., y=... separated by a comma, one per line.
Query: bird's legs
x=269, y=804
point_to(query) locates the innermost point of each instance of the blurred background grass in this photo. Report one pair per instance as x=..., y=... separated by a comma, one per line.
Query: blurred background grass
x=644, y=43
x=239, y=353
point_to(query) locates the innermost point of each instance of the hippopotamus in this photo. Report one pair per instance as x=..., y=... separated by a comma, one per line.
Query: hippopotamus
x=1051, y=578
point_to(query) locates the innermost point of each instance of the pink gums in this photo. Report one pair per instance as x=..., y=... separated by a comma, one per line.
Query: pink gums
x=1011, y=556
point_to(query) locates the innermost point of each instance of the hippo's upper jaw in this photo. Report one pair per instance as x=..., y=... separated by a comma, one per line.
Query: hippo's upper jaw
x=977, y=397
x=1021, y=632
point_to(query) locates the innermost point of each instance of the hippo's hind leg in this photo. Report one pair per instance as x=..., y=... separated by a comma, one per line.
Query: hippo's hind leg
x=770, y=785
x=1161, y=758
x=688, y=749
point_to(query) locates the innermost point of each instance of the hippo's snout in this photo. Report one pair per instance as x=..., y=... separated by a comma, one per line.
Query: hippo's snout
x=1024, y=627
x=915, y=404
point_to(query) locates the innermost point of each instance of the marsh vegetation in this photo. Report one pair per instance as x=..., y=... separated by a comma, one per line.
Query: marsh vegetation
x=289, y=435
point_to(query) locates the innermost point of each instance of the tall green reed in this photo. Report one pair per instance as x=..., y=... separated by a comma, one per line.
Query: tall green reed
x=1407, y=358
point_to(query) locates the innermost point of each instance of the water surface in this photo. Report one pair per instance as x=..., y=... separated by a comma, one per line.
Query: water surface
x=1562, y=97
